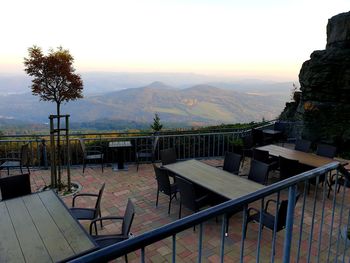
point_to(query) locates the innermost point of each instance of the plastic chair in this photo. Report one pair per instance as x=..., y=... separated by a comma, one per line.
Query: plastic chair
x=164, y=185
x=189, y=197
x=302, y=145
x=15, y=186
x=81, y=213
x=258, y=172
x=146, y=152
x=21, y=161
x=107, y=240
x=232, y=162
x=91, y=153
x=168, y=156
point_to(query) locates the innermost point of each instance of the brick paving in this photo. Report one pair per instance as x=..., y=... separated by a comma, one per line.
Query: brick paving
x=141, y=188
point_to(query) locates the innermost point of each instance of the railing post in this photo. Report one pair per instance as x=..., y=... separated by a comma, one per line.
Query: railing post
x=44, y=153
x=289, y=224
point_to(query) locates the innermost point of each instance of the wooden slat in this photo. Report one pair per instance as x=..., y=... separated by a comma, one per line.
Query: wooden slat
x=54, y=241
x=73, y=233
x=304, y=158
x=10, y=250
x=32, y=246
x=221, y=182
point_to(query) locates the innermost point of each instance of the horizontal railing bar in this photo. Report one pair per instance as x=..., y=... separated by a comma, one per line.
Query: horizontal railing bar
x=124, y=247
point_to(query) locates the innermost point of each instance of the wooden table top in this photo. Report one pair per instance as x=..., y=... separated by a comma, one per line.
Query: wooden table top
x=221, y=182
x=39, y=228
x=303, y=157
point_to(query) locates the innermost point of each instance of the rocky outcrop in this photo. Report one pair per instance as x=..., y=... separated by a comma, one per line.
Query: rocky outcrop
x=325, y=86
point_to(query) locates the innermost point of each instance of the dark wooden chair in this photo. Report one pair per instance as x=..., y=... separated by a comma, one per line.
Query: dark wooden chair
x=168, y=156
x=258, y=172
x=21, y=161
x=110, y=239
x=343, y=179
x=146, y=152
x=268, y=219
x=264, y=156
x=82, y=213
x=248, y=146
x=232, y=162
x=302, y=145
x=91, y=153
x=189, y=197
x=15, y=186
x=288, y=167
x=164, y=185
x=326, y=150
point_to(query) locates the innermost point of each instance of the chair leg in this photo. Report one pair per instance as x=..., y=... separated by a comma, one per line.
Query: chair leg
x=157, y=197
x=170, y=199
x=83, y=165
x=102, y=165
x=126, y=258
x=180, y=210
x=20, y=167
x=99, y=213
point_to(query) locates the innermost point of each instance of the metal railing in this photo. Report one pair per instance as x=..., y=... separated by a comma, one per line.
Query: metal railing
x=312, y=230
x=188, y=144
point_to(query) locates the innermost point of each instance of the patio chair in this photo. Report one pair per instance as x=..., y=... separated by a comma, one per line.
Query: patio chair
x=258, y=172
x=264, y=156
x=326, y=150
x=258, y=137
x=302, y=145
x=20, y=162
x=288, y=167
x=189, y=197
x=232, y=162
x=15, y=186
x=343, y=179
x=248, y=146
x=168, y=156
x=107, y=240
x=268, y=219
x=82, y=213
x=146, y=152
x=91, y=153
x=164, y=185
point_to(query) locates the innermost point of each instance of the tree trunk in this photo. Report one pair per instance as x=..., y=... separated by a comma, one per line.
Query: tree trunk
x=59, y=146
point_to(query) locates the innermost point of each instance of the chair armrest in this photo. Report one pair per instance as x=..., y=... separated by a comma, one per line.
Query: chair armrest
x=101, y=219
x=268, y=202
x=252, y=209
x=82, y=194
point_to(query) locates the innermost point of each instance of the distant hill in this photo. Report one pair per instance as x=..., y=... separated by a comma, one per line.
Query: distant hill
x=198, y=104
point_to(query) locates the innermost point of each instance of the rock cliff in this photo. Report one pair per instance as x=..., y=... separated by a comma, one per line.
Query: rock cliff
x=325, y=87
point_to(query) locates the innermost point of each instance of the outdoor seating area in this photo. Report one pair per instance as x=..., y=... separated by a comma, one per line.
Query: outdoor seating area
x=117, y=205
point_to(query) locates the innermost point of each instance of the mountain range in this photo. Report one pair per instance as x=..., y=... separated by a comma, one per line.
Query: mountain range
x=210, y=103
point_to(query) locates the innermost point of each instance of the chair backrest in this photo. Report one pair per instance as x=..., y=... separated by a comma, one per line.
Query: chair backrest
x=326, y=150
x=232, y=162
x=187, y=193
x=279, y=126
x=168, y=156
x=82, y=145
x=258, y=137
x=282, y=212
x=98, y=201
x=288, y=167
x=15, y=186
x=25, y=154
x=302, y=145
x=258, y=172
x=128, y=218
x=261, y=155
x=248, y=142
x=162, y=179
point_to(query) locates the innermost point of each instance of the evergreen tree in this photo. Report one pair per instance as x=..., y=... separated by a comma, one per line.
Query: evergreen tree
x=156, y=126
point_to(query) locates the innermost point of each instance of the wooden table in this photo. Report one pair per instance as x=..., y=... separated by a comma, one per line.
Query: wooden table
x=216, y=180
x=39, y=228
x=303, y=157
x=120, y=146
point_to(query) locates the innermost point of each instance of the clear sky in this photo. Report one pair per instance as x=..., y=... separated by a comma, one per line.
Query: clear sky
x=251, y=38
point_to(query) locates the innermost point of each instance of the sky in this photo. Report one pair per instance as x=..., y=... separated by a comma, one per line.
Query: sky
x=267, y=39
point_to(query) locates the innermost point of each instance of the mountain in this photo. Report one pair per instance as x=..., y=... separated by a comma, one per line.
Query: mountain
x=198, y=104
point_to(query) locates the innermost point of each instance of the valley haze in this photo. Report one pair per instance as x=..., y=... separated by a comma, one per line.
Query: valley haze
x=179, y=98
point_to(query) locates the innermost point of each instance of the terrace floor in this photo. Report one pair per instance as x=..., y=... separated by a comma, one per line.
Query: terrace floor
x=141, y=188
